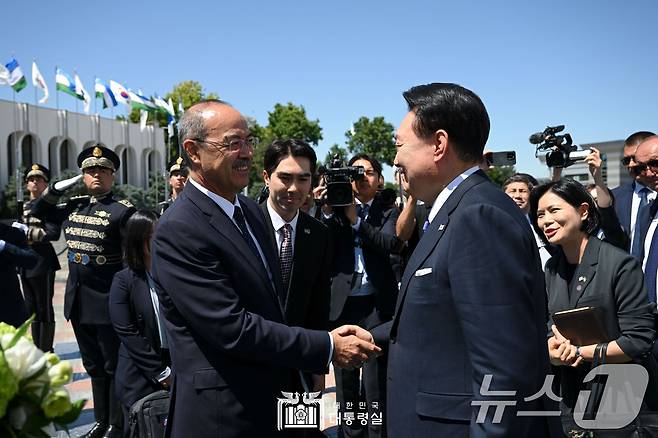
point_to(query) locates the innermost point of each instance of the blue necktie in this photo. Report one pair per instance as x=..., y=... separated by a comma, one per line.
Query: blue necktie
x=239, y=219
x=640, y=218
x=651, y=267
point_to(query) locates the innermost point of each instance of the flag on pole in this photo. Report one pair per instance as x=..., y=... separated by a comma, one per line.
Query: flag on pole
x=163, y=105
x=39, y=82
x=170, y=118
x=63, y=82
x=120, y=93
x=82, y=93
x=180, y=108
x=105, y=93
x=138, y=101
x=4, y=75
x=16, y=77
x=143, y=117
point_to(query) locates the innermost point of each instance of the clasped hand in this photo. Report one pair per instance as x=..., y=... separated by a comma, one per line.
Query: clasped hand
x=560, y=350
x=353, y=346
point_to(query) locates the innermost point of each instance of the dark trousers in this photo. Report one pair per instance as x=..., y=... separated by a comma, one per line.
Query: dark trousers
x=38, y=292
x=99, y=349
x=362, y=388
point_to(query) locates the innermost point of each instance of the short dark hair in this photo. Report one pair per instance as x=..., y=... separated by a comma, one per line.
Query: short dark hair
x=522, y=178
x=574, y=194
x=376, y=165
x=455, y=109
x=139, y=229
x=280, y=149
x=637, y=137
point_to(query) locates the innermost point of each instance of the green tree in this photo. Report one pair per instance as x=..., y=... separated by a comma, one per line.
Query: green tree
x=499, y=174
x=284, y=121
x=373, y=137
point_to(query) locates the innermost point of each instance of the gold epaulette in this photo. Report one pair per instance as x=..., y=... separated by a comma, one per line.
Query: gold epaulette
x=126, y=202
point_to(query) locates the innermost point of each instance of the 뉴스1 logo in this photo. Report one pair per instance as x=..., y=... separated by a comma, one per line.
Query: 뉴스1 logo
x=295, y=414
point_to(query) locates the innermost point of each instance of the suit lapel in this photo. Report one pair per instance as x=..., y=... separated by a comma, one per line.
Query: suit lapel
x=585, y=271
x=225, y=226
x=303, y=248
x=433, y=235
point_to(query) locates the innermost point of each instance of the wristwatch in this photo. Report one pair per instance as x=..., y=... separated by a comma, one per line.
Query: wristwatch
x=578, y=351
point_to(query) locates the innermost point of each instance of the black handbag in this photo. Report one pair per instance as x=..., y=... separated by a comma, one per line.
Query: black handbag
x=148, y=416
x=645, y=424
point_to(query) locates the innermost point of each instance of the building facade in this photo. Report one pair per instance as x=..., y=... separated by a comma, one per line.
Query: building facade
x=32, y=134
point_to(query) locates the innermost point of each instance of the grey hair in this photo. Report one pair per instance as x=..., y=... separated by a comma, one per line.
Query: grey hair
x=192, y=126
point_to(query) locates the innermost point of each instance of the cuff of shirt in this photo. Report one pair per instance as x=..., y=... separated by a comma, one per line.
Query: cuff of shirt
x=331, y=349
x=2, y=245
x=357, y=224
x=163, y=375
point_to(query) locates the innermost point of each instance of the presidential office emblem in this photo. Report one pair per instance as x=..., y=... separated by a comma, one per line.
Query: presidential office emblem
x=295, y=414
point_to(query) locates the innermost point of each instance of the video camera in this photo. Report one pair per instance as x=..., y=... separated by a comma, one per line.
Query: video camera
x=338, y=178
x=560, y=150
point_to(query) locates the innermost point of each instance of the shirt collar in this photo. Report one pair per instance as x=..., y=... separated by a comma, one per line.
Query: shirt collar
x=277, y=221
x=639, y=186
x=223, y=203
x=369, y=203
x=447, y=191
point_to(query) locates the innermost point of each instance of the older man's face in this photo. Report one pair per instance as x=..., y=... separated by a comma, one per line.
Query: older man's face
x=415, y=158
x=646, y=158
x=223, y=170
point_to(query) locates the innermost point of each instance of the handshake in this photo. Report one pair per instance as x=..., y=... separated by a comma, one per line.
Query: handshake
x=353, y=346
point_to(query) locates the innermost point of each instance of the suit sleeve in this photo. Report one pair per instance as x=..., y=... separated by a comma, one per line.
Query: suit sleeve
x=494, y=283
x=634, y=314
x=318, y=315
x=382, y=239
x=612, y=229
x=17, y=252
x=189, y=273
x=125, y=325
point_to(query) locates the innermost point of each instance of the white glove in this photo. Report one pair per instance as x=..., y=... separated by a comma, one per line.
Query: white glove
x=67, y=183
x=21, y=226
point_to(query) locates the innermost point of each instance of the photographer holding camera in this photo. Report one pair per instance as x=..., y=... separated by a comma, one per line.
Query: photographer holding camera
x=363, y=285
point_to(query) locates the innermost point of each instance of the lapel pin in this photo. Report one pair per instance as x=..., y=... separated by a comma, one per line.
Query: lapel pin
x=581, y=278
x=441, y=227
x=307, y=231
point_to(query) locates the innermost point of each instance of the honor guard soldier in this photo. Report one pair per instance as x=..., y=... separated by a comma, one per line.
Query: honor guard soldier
x=39, y=281
x=177, y=180
x=92, y=226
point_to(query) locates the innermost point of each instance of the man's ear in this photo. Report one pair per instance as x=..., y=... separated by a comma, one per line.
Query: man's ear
x=440, y=144
x=266, y=177
x=192, y=149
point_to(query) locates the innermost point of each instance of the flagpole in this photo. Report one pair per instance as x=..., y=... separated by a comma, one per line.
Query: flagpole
x=56, y=90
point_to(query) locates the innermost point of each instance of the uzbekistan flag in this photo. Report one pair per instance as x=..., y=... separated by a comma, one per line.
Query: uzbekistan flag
x=65, y=83
x=16, y=77
x=137, y=101
x=104, y=92
x=120, y=93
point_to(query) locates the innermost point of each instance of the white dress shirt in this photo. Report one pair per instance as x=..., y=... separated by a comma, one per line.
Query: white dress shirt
x=447, y=191
x=278, y=223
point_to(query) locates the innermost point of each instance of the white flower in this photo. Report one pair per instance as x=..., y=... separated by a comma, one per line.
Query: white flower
x=24, y=358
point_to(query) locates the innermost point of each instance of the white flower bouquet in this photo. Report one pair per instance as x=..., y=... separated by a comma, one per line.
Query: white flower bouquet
x=32, y=397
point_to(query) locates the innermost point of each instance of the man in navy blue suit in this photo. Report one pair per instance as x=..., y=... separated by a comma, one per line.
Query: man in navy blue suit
x=472, y=302
x=221, y=293
x=629, y=198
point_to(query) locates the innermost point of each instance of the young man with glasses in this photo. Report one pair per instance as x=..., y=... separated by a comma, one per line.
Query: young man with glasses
x=628, y=198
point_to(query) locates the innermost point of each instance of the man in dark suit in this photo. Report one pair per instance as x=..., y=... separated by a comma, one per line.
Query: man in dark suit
x=39, y=282
x=14, y=252
x=220, y=291
x=302, y=242
x=629, y=198
x=472, y=301
x=363, y=286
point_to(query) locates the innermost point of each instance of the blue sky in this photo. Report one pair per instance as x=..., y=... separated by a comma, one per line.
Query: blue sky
x=591, y=65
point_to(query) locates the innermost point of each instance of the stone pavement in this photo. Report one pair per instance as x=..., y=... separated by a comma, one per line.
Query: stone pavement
x=67, y=349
